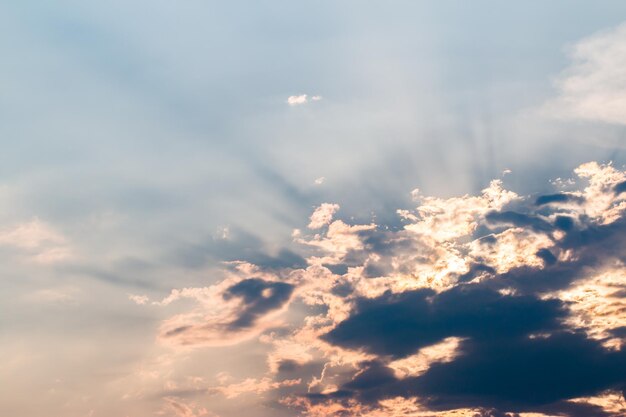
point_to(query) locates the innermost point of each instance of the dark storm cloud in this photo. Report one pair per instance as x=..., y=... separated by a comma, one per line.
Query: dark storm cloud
x=476, y=270
x=556, y=198
x=516, y=354
x=620, y=188
x=599, y=241
x=564, y=223
x=516, y=373
x=259, y=297
x=519, y=220
x=500, y=340
x=574, y=409
x=547, y=256
x=400, y=324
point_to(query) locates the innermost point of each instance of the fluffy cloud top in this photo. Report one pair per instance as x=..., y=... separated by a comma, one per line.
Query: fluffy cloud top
x=323, y=215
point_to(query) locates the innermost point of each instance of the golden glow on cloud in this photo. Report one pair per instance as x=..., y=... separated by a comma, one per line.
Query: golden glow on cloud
x=415, y=365
x=436, y=247
x=251, y=386
x=598, y=305
x=323, y=215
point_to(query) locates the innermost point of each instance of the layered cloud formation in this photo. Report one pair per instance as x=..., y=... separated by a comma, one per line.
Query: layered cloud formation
x=486, y=305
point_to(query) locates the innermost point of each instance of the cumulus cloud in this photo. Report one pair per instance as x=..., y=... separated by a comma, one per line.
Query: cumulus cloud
x=479, y=305
x=593, y=88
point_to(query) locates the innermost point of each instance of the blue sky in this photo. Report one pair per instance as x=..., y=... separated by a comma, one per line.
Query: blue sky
x=151, y=147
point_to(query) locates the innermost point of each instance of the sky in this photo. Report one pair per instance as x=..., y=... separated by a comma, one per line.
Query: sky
x=312, y=209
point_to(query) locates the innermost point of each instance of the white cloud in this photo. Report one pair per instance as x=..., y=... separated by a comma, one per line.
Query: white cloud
x=295, y=100
x=593, y=88
x=449, y=219
x=301, y=99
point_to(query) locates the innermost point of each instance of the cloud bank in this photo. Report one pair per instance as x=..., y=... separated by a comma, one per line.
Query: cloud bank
x=488, y=305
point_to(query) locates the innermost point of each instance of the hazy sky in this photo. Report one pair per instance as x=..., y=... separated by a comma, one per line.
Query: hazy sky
x=275, y=208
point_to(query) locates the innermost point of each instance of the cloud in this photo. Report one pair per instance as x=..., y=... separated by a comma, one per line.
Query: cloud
x=323, y=215
x=557, y=198
x=399, y=324
x=296, y=100
x=481, y=305
x=227, y=313
x=251, y=386
x=38, y=241
x=414, y=365
x=63, y=295
x=138, y=299
x=448, y=219
x=527, y=268
x=593, y=88
x=520, y=374
x=597, y=305
x=258, y=298
x=180, y=408
x=301, y=99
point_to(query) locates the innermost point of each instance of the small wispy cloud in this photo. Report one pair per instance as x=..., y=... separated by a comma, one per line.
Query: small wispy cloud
x=179, y=408
x=64, y=295
x=302, y=99
x=37, y=240
x=138, y=299
x=251, y=385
